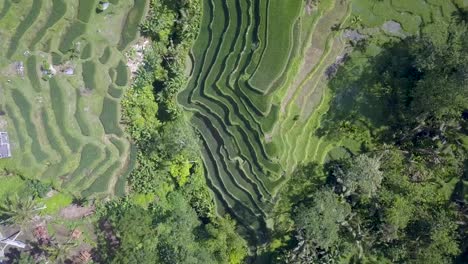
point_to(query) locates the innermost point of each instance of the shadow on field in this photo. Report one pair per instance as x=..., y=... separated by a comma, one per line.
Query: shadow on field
x=371, y=90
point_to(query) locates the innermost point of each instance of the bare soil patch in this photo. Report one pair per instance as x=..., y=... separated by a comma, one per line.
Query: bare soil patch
x=76, y=212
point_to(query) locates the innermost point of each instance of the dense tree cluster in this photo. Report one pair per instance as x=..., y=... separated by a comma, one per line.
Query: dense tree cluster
x=168, y=155
x=168, y=231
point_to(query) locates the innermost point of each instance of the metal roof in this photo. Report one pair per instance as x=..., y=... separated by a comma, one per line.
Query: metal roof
x=4, y=145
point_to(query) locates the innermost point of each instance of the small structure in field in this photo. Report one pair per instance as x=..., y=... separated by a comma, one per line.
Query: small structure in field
x=19, y=68
x=102, y=6
x=105, y=5
x=4, y=145
x=69, y=71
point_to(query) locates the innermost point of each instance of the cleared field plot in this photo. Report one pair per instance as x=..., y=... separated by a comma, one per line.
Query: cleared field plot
x=65, y=128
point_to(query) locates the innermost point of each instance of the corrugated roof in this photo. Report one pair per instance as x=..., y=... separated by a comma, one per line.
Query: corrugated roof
x=4, y=145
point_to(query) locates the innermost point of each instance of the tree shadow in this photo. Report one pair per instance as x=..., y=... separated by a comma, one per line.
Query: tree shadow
x=372, y=91
x=305, y=179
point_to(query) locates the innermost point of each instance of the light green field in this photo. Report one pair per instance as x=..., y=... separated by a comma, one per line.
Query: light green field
x=66, y=130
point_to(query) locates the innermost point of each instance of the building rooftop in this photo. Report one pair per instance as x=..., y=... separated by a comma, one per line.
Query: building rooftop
x=4, y=145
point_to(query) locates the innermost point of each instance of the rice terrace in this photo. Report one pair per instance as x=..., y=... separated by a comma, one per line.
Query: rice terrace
x=234, y=131
x=65, y=129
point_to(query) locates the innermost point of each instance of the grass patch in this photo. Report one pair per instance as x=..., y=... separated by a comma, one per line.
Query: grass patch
x=122, y=181
x=59, y=8
x=26, y=113
x=130, y=29
x=11, y=185
x=76, y=30
x=23, y=26
x=87, y=51
x=55, y=203
x=59, y=107
x=81, y=117
x=5, y=8
x=104, y=59
x=119, y=144
x=122, y=74
x=56, y=58
x=31, y=69
x=52, y=137
x=89, y=70
x=281, y=19
x=110, y=116
x=115, y=92
x=101, y=184
x=90, y=154
x=86, y=8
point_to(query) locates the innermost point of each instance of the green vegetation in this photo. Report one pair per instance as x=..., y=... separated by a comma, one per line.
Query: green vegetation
x=231, y=102
x=58, y=114
x=396, y=198
x=262, y=110
x=167, y=232
x=269, y=131
x=169, y=198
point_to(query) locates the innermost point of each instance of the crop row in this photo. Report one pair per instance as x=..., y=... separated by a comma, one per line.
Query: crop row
x=67, y=129
x=221, y=108
x=23, y=26
x=229, y=113
x=304, y=107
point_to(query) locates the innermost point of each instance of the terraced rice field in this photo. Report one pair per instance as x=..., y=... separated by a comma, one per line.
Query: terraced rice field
x=258, y=90
x=245, y=59
x=67, y=128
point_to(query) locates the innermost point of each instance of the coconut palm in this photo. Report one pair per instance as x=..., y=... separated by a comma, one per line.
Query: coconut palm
x=59, y=252
x=356, y=21
x=18, y=210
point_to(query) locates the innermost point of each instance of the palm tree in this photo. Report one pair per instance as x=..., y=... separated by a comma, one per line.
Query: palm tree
x=59, y=253
x=18, y=210
x=356, y=21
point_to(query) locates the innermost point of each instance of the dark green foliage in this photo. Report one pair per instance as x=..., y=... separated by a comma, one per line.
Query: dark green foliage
x=362, y=176
x=123, y=241
x=165, y=233
x=224, y=242
x=405, y=221
x=140, y=111
x=173, y=25
x=320, y=221
x=23, y=258
x=177, y=245
x=412, y=93
x=37, y=189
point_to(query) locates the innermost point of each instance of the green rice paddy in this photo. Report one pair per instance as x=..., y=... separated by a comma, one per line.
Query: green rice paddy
x=66, y=129
x=258, y=90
